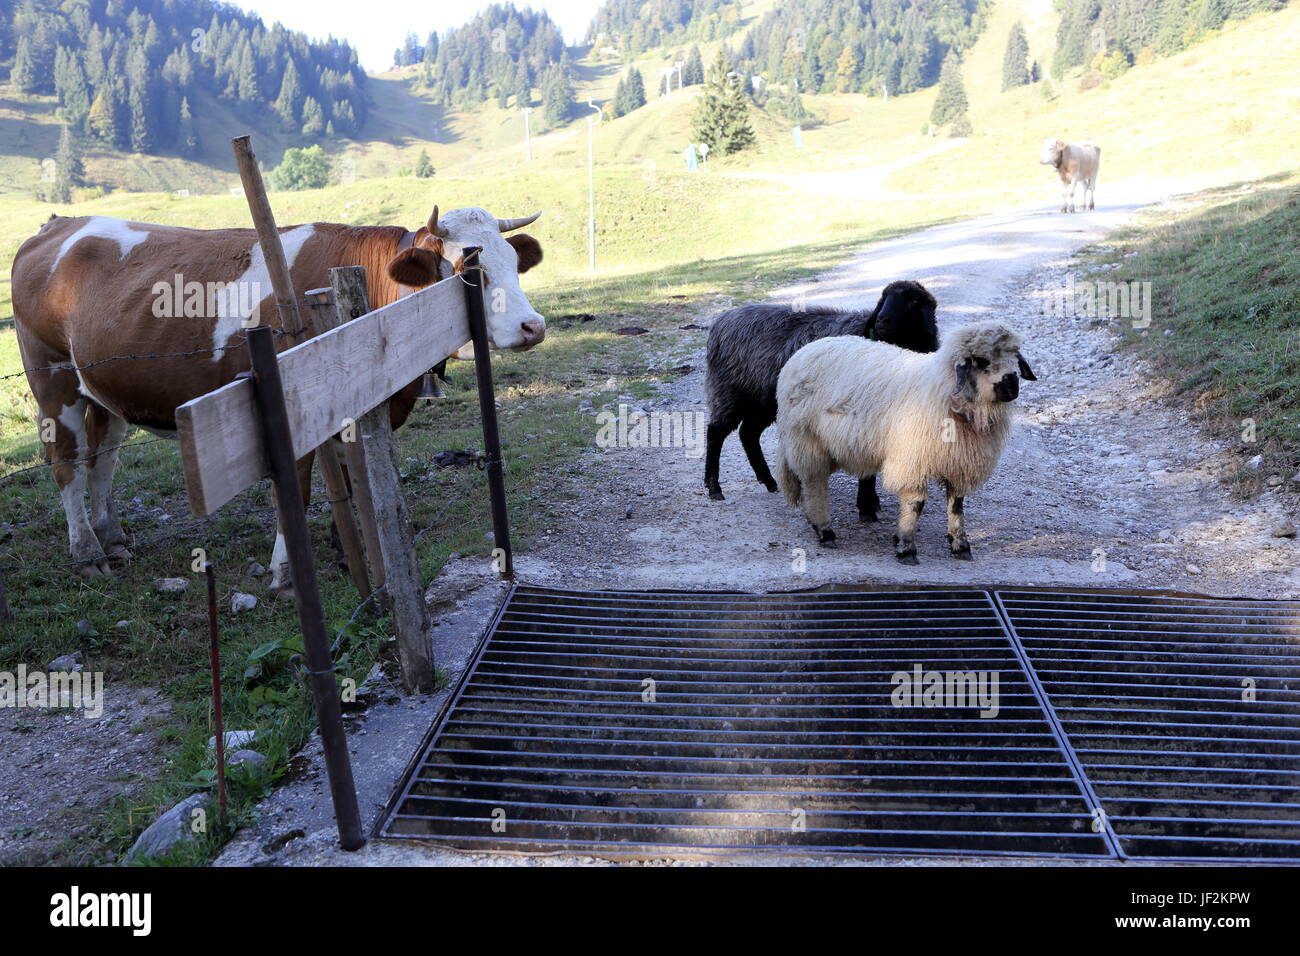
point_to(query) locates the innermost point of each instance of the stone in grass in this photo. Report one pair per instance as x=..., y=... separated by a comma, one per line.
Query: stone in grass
x=234, y=739
x=1284, y=529
x=66, y=662
x=240, y=757
x=190, y=818
x=239, y=601
x=1254, y=464
x=171, y=585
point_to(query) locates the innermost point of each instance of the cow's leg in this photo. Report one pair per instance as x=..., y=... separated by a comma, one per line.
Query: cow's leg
x=281, y=580
x=64, y=454
x=957, y=543
x=751, y=429
x=911, y=502
x=868, y=500
x=105, y=432
x=1092, y=193
x=62, y=430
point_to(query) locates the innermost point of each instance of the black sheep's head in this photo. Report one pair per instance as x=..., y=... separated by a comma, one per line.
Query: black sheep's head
x=904, y=316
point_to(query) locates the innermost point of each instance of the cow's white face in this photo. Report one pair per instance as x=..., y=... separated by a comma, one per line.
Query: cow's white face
x=512, y=322
x=1051, y=154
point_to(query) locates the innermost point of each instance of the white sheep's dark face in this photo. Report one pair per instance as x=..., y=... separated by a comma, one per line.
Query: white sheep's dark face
x=992, y=376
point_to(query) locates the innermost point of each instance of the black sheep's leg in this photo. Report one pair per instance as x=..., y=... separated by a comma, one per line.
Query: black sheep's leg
x=715, y=435
x=868, y=501
x=750, y=431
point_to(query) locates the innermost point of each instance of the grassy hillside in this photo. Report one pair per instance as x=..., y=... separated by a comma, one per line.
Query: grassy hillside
x=1225, y=279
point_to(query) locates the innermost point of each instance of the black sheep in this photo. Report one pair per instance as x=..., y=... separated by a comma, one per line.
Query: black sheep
x=749, y=344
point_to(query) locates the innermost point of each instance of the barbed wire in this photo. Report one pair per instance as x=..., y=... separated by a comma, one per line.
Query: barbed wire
x=74, y=367
x=72, y=461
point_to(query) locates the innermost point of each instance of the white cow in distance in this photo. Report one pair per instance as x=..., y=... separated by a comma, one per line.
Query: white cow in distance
x=1075, y=163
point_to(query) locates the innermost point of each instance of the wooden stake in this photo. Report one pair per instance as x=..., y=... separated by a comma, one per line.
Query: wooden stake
x=392, y=520
x=322, y=319
x=327, y=317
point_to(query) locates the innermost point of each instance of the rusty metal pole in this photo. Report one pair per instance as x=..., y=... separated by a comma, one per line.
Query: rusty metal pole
x=214, y=659
x=5, y=613
x=277, y=443
x=473, y=278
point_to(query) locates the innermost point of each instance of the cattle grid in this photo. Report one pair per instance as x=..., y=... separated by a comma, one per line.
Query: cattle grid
x=1129, y=725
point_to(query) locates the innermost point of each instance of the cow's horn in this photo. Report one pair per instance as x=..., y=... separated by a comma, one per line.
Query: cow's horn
x=434, y=228
x=507, y=225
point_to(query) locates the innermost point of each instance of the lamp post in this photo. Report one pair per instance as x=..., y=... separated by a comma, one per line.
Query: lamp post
x=528, y=136
x=591, y=189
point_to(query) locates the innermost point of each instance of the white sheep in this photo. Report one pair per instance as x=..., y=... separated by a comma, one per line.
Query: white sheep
x=868, y=407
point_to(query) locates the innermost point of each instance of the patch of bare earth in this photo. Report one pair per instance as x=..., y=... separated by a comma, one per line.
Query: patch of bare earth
x=61, y=768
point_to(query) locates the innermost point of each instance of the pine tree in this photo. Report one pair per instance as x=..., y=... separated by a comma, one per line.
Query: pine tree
x=636, y=90
x=722, y=117
x=70, y=85
x=1014, y=70
x=557, y=96
x=424, y=166
x=286, y=104
x=23, y=74
x=187, y=137
x=313, y=118
x=693, y=70
x=618, y=105
x=69, y=166
x=102, y=120
x=141, y=130
x=951, y=100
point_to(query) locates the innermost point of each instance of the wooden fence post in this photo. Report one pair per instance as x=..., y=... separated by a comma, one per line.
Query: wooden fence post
x=392, y=519
x=326, y=318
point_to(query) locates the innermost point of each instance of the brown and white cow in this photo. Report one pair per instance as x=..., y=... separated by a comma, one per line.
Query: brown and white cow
x=88, y=289
x=1075, y=163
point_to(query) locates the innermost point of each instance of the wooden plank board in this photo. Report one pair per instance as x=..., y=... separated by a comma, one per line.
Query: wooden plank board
x=331, y=378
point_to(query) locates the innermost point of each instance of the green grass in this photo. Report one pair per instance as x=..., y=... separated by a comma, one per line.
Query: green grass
x=1225, y=281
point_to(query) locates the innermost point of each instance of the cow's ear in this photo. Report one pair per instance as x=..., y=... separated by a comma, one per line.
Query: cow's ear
x=527, y=248
x=414, y=267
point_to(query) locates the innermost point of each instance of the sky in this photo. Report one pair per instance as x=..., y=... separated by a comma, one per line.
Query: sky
x=377, y=27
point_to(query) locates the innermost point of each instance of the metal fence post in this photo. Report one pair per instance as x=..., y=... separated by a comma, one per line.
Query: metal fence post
x=473, y=278
x=277, y=443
